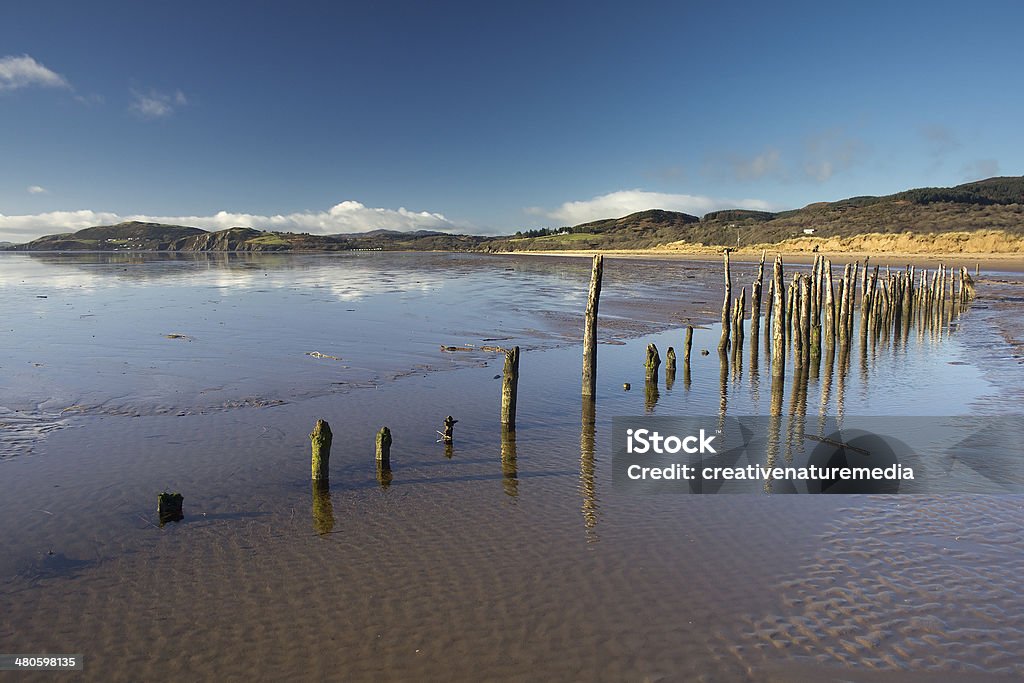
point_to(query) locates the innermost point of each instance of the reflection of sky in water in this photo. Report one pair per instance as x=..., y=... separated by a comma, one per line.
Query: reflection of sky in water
x=98, y=340
x=89, y=331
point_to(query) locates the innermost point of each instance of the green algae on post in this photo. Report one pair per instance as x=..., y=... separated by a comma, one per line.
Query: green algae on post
x=321, y=440
x=169, y=507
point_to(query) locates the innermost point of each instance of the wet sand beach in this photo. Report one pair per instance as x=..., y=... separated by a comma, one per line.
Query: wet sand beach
x=501, y=559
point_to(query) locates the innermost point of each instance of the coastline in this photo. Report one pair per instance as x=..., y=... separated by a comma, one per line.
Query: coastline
x=987, y=261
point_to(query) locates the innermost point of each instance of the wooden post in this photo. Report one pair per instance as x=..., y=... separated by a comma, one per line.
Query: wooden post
x=779, y=313
x=844, y=305
x=509, y=389
x=688, y=346
x=448, y=435
x=590, y=329
x=768, y=311
x=830, y=307
x=169, y=507
x=670, y=368
x=321, y=440
x=755, y=298
x=652, y=364
x=726, y=303
x=384, y=456
x=805, y=320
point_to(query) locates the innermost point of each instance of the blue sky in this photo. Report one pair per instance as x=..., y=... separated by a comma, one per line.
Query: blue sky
x=491, y=117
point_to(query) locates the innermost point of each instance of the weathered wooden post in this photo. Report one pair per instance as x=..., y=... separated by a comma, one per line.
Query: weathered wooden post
x=797, y=327
x=805, y=320
x=590, y=329
x=688, y=346
x=741, y=313
x=448, y=435
x=652, y=364
x=830, y=307
x=320, y=438
x=723, y=344
x=509, y=389
x=670, y=368
x=844, y=305
x=755, y=301
x=169, y=507
x=384, y=456
x=779, y=313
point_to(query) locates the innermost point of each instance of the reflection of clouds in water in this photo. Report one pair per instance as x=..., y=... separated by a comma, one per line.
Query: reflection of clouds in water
x=22, y=270
x=343, y=279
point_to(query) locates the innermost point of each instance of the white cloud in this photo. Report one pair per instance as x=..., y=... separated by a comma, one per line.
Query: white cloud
x=624, y=202
x=36, y=189
x=348, y=216
x=24, y=71
x=156, y=104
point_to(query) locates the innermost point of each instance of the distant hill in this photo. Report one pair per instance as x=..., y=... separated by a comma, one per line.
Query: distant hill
x=139, y=236
x=992, y=204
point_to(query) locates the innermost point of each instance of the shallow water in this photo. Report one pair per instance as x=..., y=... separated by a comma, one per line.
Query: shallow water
x=510, y=560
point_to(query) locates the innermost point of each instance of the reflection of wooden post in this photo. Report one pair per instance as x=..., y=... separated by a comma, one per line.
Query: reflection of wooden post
x=587, y=468
x=509, y=389
x=726, y=303
x=323, y=509
x=779, y=313
x=384, y=456
x=509, y=467
x=590, y=329
x=321, y=441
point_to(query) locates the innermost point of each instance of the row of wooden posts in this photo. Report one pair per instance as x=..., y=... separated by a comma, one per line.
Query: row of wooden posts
x=811, y=311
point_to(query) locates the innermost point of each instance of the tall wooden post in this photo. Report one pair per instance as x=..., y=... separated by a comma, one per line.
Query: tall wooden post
x=509, y=389
x=755, y=298
x=726, y=303
x=779, y=313
x=590, y=329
